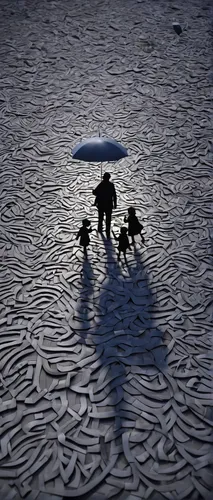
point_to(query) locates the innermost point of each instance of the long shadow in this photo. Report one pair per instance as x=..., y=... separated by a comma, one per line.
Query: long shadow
x=129, y=354
x=84, y=312
x=137, y=312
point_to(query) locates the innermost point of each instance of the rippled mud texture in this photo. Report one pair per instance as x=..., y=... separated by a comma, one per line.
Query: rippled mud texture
x=106, y=371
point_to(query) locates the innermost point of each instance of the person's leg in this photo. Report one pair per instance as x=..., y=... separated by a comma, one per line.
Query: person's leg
x=108, y=222
x=119, y=255
x=85, y=251
x=142, y=238
x=125, y=256
x=133, y=240
x=100, y=220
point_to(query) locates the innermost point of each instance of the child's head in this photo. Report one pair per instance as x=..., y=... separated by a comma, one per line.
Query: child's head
x=131, y=211
x=123, y=230
x=86, y=222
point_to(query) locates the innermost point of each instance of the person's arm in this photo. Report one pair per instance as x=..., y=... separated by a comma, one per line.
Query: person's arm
x=116, y=237
x=96, y=190
x=126, y=218
x=78, y=235
x=138, y=223
x=114, y=198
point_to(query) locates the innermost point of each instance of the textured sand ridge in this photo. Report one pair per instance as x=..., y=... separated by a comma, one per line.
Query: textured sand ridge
x=105, y=368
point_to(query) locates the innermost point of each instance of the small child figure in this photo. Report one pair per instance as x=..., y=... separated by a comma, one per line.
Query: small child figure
x=123, y=242
x=83, y=234
x=134, y=226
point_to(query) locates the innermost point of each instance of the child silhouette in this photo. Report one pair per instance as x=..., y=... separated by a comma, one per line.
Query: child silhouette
x=83, y=234
x=134, y=226
x=123, y=242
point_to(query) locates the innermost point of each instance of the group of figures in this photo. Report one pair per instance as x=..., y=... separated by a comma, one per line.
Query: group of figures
x=106, y=201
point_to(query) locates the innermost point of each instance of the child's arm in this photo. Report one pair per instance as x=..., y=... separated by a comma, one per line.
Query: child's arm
x=78, y=235
x=116, y=237
x=141, y=225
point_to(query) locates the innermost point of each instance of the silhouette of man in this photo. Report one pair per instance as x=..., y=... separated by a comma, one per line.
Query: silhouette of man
x=106, y=200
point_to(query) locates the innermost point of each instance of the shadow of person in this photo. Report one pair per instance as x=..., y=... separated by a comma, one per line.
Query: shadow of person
x=132, y=345
x=119, y=381
x=84, y=313
x=139, y=306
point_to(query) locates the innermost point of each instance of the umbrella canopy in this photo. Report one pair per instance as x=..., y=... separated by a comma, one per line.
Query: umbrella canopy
x=99, y=149
x=177, y=28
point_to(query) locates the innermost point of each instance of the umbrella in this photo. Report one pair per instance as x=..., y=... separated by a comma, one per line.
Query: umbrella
x=177, y=28
x=99, y=149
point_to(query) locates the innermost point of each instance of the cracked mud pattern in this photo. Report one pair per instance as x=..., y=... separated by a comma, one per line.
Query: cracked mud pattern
x=105, y=368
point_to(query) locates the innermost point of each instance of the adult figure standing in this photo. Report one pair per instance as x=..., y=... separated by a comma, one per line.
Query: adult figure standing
x=105, y=201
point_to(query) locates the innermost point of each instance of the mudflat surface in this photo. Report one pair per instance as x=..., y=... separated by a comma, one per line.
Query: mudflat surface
x=105, y=368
